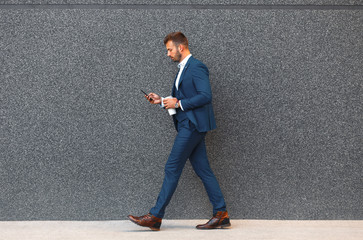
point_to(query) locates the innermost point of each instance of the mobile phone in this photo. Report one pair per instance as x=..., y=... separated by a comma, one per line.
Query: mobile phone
x=145, y=94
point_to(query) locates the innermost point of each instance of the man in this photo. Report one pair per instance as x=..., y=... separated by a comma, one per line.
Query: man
x=192, y=99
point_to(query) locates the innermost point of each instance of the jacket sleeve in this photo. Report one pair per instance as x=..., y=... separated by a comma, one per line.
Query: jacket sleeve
x=200, y=75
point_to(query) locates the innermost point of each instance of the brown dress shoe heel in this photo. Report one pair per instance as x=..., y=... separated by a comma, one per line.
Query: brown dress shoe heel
x=147, y=220
x=219, y=220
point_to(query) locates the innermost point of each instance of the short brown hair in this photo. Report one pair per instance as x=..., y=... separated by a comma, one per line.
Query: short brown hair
x=177, y=38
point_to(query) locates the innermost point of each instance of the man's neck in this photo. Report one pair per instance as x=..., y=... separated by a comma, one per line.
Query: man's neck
x=186, y=54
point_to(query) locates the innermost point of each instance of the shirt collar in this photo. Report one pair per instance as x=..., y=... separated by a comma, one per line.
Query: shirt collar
x=185, y=60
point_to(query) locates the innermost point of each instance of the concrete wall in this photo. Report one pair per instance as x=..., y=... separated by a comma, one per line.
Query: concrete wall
x=79, y=141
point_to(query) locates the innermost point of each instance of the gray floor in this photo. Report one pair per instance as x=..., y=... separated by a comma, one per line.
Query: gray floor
x=182, y=229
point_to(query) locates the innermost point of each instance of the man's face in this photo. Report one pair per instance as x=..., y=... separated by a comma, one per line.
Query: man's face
x=173, y=51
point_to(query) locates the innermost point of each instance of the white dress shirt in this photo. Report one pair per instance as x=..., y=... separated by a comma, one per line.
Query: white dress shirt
x=181, y=66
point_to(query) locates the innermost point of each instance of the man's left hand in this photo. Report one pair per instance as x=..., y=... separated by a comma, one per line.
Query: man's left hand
x=170, y=102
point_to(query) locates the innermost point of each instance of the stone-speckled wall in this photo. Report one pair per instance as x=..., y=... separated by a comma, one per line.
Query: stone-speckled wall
x=79, y=142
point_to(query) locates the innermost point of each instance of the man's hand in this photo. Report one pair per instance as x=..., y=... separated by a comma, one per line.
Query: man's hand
x=156, y=99
x=170, y=102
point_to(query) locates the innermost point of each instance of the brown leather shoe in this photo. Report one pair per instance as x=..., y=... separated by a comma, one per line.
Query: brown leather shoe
x=219, y=220
x=147, y=220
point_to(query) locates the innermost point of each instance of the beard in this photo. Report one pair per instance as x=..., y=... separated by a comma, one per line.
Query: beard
x=177, y=57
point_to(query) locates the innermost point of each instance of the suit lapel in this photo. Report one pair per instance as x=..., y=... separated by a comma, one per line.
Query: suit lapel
x=174, y=89
x=185, y=68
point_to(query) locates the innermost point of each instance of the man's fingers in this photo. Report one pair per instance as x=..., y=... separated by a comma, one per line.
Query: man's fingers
x=148, y=98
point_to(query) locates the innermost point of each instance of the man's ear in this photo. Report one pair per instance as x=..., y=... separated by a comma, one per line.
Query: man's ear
x=181, y=48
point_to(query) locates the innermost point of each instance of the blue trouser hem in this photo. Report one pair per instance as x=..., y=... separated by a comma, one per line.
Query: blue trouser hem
x=219, y=210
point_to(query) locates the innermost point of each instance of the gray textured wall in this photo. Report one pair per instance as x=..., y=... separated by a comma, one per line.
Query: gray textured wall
x=79, y=141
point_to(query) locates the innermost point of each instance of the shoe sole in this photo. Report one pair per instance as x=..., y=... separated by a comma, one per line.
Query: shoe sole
x=152, y=228
x=225, y=226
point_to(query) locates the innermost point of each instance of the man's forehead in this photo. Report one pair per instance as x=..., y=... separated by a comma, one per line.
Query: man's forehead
x=170, y=44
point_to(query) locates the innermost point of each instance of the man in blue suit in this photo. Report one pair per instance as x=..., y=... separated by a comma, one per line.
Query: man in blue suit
x=192, y=100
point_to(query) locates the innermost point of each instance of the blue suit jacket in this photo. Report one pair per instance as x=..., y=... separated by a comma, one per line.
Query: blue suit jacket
x=196, y=95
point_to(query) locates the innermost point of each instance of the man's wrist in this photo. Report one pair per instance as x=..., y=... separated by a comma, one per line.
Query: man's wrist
x=161, y=102
x=177, y=105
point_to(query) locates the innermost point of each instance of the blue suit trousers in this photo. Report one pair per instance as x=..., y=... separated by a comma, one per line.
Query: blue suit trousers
x=189, y=143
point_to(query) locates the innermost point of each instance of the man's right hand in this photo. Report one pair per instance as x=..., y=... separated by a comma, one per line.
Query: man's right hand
x=156, y=99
